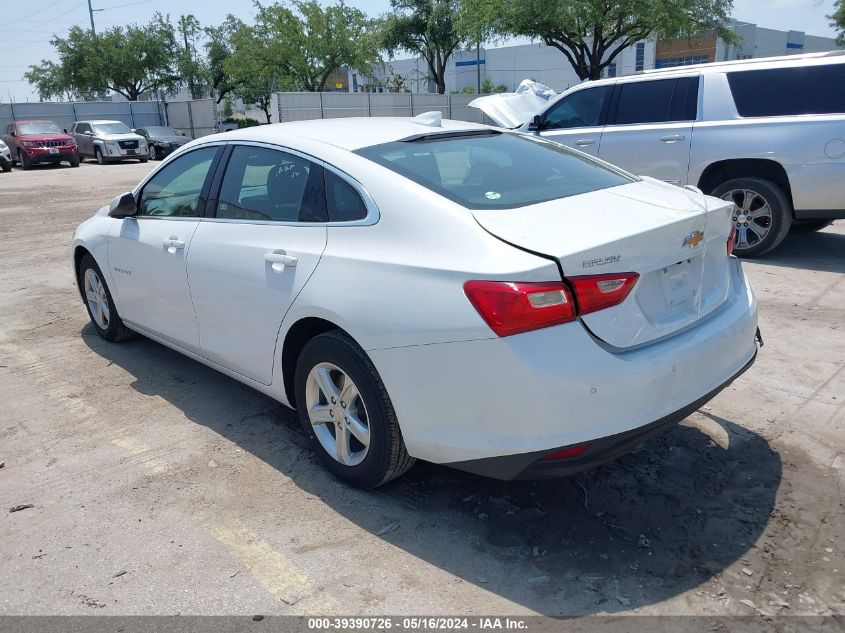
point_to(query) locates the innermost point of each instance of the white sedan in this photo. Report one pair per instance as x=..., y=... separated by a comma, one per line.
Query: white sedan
x=427, y=289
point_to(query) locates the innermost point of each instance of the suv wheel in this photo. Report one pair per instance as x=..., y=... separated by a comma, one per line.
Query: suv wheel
x=99, y=156
x=5, y=165
x=153, y=152
x=25, y=164
x=347, y=414
x=762, y=214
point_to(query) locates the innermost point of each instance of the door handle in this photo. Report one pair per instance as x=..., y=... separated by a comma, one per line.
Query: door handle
x=672, y=138
x=581, y=142
x=280, y=260
x=173, y=243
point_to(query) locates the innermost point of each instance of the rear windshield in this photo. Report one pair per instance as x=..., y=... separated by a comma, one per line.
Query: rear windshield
x=43, y=127
x=112, y=128
x=161, y=131
x=494, y=170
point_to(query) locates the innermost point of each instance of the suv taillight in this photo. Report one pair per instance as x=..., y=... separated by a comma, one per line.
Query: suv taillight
x=512, y=307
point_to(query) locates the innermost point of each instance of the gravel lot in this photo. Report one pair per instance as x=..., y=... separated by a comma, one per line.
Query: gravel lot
x=162, y=487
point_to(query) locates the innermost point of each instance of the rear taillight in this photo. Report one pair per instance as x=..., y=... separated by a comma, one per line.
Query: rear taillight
x=566, y=453
x=732, y=238
x=513, y=307
x=597, y=292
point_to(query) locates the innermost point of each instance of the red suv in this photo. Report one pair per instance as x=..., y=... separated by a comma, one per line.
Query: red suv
x=33, y=142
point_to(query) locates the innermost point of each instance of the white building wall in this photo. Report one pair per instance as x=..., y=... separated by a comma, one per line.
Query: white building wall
x=509, y=65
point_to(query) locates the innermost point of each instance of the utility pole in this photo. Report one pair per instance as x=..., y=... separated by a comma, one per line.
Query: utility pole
x=478, y=67
x=91, y=15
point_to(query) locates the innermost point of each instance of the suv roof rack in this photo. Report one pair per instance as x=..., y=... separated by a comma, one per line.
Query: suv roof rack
x=755, y=60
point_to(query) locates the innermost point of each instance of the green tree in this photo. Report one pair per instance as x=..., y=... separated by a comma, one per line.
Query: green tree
x=306, y=43
x=218, y=50
x=126, y=60
x=488, y=87
x=837, y=21
x=592, y=33
x=252, y=78
x=191, y=66
x=430, y=29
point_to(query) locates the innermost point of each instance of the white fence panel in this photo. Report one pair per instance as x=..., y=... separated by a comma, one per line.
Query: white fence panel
x=63, y=114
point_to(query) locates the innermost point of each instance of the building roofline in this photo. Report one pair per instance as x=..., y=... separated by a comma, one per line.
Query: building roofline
x=740, y=62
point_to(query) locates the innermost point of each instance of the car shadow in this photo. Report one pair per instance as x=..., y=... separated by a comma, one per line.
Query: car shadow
x=822, y=250
x=654, y=524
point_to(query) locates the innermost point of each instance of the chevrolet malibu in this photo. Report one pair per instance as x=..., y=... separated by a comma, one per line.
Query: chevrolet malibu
x=427, y=289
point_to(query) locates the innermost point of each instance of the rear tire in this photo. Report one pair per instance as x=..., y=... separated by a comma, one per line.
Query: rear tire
x=762, y=217
x=99, y=302
x=345, y=364
x=808, y=226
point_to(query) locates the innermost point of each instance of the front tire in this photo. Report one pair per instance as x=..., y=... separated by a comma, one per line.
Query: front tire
x=152, y=152
x=25, y=164
x=74, y=161
x=98, y=154
x=347, y=414
x=6, y=165
x=763, y=214
x=99, y=302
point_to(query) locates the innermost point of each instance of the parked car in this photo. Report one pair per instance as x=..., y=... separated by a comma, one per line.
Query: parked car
x=108, y=141
x=161, y=140
x=34, y=142
x=759, y=133
x=427, y=289
x=5, y=157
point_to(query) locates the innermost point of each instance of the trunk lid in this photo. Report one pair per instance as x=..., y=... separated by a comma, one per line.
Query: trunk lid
x=512, y=109
x=675, y=239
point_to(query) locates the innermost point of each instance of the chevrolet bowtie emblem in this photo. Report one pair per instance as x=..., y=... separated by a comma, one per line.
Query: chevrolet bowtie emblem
x=694, y=239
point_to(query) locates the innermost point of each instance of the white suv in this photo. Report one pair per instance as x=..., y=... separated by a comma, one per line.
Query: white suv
x=768, y=134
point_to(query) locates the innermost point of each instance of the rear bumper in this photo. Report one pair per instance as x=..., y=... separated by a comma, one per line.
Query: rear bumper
x=600, y=451
x=529, y=394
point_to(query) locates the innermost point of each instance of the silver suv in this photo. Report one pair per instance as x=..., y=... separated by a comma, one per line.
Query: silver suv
x=768, y=134
x=108, y=141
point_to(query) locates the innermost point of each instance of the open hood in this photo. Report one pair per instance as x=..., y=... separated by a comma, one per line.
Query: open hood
x=512, y=109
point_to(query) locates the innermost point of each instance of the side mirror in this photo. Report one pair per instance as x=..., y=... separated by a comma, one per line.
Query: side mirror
x=134, y=131
x=123, y=206
x=537, y=124
x=88, y=132
x=13, y=133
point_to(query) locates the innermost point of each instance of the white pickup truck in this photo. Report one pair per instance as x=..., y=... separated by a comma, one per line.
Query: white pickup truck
x=768, y=134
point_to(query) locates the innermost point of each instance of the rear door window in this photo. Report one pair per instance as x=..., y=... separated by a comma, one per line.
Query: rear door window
x=267, y=184
x=584, y=108
x=655, y=101
x=789, y=91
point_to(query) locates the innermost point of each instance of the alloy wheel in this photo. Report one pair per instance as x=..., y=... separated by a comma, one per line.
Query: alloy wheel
x=752, y=215
x=338, y=414
x=152, y=150
x=98, y=301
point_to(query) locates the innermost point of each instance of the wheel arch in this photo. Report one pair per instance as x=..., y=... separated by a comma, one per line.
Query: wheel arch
x=724, y=170
x=79, y=252
x=294, y=342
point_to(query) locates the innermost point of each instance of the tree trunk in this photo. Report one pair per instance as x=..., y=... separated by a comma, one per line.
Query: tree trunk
x=266, y=109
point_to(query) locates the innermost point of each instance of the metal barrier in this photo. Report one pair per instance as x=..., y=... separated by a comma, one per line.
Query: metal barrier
x=133, y=113
x=302, y=106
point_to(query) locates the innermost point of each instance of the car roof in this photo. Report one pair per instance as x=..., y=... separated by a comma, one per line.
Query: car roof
x=35, y=121
x=829, y=57
x=99, y=121
x=347, y=133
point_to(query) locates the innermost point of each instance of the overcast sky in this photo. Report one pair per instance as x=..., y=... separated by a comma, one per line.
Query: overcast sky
x=26, y=27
